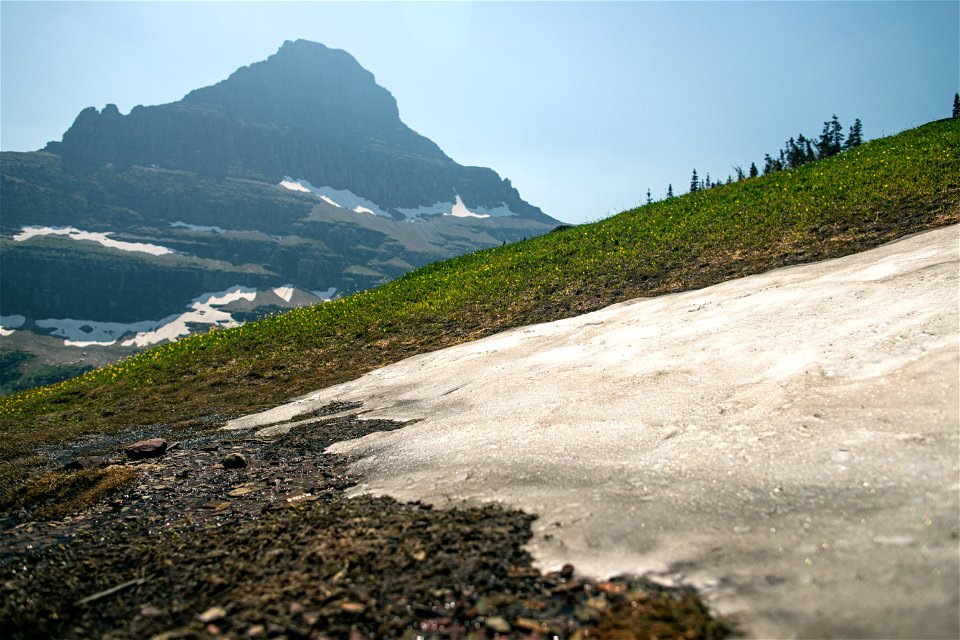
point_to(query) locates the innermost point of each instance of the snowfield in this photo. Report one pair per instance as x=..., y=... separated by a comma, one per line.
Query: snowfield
x=786, y=442
x=205, y=312
x=346, y=199
x=102, y=239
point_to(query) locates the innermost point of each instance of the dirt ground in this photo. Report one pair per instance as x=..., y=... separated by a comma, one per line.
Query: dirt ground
x=193, y=548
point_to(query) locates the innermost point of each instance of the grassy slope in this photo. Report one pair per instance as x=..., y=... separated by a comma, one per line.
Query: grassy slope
x=851, y=202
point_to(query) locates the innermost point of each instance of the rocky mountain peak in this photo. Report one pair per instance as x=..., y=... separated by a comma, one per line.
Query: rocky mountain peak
x=308, y=112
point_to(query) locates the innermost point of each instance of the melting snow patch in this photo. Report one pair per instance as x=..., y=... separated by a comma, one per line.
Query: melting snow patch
x=343, y=198
x=460, y=211
x=100, y=238
x=90, y=333
x=207, y=310
x=9, y=323
x=285, y=292
x=751, y=432
x=457, y=209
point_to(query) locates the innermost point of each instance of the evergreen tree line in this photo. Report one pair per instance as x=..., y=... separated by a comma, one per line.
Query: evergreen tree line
x=802, y=150
x=796, y=152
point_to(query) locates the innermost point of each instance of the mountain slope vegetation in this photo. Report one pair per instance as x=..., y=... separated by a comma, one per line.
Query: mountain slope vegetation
x=858, y=199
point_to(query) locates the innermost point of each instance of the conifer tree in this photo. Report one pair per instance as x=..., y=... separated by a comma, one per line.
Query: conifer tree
x=753, y=170
x=649, y=197
x=855, y=137
x=956, y=105
x=831, y=138
x=740, y=174
x=669, y=191
x=694, y=183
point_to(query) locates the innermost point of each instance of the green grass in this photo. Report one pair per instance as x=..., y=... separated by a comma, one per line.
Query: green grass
x=850, y=202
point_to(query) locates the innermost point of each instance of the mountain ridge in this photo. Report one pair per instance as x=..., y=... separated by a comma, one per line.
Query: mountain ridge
x=308, y=112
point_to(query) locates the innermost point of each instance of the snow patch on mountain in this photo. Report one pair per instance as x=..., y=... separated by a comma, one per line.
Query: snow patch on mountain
x=457, y=208
x=343, y=198
x=346, y=199
x=285, y=292
x=103, y=239
x=9, y=323
x=216, y=309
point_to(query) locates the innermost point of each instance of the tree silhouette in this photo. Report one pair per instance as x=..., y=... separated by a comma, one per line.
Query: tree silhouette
x=649, y=197
x=956, y=105
x=694, y=183
x=831, y=138
x=669, y=191
x=855, y=137
x=753, y=170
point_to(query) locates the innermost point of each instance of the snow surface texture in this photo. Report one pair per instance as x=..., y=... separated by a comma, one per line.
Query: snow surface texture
x=100, y=238
x=206, y=311
x=346, y=199
x=786, y=442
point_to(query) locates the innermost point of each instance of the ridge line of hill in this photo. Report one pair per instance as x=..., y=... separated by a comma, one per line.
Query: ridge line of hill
x=861, y=198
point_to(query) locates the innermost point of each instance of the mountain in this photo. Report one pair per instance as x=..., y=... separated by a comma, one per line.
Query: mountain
x=292, y=181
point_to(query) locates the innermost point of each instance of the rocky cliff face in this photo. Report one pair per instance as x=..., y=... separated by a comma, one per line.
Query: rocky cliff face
x=307, y=111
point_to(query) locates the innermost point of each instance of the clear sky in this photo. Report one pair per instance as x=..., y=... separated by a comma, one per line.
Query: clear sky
x=583, y=105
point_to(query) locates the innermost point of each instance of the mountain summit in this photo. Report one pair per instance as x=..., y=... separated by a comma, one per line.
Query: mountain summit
x=307, y=112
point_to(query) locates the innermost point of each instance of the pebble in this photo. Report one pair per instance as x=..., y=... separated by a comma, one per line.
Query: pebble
x=212, y=615
x=497, y=624
x=234, y=461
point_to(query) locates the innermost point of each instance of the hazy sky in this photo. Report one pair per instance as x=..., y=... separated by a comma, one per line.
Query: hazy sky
x=583, y=105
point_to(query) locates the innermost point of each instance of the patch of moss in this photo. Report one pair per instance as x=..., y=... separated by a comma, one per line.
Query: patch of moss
x=62, y=493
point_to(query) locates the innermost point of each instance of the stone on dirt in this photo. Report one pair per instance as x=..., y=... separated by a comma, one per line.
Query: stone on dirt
x=150, y=448
x=234, y=461
x=86, y=462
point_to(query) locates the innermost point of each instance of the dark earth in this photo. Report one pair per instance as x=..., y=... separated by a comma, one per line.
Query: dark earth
x=228, y=535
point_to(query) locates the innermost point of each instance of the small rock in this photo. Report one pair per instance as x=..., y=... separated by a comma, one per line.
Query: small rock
x=353, y=607
x=150, y=611
x=257, y=631
x=497, y=624
x=234, y=461
x=529, y=624
x=613, y=588
x=152, y=448
x=86, y=462
x=566, y=572
x=212, y=615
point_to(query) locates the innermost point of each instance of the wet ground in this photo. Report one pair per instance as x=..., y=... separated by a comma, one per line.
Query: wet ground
x=196, y=549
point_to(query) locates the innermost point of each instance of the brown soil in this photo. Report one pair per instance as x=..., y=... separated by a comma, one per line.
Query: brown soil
x=192, y=549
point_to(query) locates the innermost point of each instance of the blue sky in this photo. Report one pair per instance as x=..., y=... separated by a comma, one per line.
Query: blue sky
x=583, y=105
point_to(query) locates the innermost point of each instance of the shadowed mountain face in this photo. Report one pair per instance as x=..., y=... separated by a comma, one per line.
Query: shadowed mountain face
x=307, y=111
x=293, y=177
